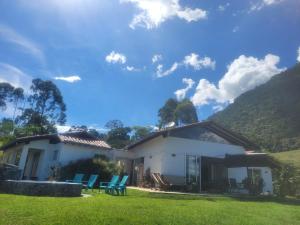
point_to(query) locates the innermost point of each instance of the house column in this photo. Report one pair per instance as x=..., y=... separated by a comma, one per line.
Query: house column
x=23, y=159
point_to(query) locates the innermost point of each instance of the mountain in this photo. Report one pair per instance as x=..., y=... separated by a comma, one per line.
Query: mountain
x=268, y=115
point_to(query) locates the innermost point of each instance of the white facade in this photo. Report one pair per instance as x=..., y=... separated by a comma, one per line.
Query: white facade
x=59, y=154
x=167, y=156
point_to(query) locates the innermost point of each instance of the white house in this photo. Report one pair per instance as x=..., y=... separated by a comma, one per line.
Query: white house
x=36, y=155
x=202, y=155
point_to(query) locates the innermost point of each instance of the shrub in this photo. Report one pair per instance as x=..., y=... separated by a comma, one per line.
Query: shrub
x=287, y=181
x=99, y=165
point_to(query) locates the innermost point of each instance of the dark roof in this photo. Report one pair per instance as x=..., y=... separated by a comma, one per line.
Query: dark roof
x=228, y=135
x=243, y=160
x=81, y=138
x=254, y=160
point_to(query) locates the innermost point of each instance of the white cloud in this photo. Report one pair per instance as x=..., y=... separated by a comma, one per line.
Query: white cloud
x=161, y=73
x=298, y=58
x=14, y=76
x=192, y=60
x=197, y=63
x=154, y=12
x=132, y=69
x=181, y=93
x=156, y=58
x=217, y=108
x=115, y=57
x=62, y=128
x=243, y=74
x=235, y=29
x=223, y=7
x=70, y=79
x=10, y=35
x=262, y=4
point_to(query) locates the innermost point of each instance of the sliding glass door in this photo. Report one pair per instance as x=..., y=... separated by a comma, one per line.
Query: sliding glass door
x=193, y=171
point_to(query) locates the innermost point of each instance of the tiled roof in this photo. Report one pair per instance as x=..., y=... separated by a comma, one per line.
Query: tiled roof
x=81, y=138
x=84, y=141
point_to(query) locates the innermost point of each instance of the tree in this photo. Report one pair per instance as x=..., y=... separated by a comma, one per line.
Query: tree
x=140, y=132
x=118, y=136
x=186, y=113
x=167, y=112
x=182, y=112
x=17, y=96
x=47, y=107
x=6, y=92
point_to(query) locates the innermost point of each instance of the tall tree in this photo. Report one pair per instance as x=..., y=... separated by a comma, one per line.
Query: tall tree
x=6, y=94
x=166, y=113
x=186, y=113
x=47, y=107
x=118, y=136
x=140, y=132
x=182, y=112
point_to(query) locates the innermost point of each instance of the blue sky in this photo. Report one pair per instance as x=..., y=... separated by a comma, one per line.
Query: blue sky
x=100, y=53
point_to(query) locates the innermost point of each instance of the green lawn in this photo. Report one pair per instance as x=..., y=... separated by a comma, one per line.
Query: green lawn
x=146, y=208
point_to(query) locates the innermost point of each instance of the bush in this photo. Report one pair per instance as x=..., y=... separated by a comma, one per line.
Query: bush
x=287, y=181
x=99, y=165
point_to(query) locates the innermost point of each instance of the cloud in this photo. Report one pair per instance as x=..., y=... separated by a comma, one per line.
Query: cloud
x=181, y=93
x=197, y=63
x=263, y=3
x=62, y=128
x=10, y=35
x=298, y=58
x=223, y=7
x=217, y=108
x=14, y=76
x=161, y=73
x=235, y=29
x=132, y=69
x=154, y=12
x=192, y=60
x=115, y=57
x=156, y=58
x=243, y=74
x=70, y=79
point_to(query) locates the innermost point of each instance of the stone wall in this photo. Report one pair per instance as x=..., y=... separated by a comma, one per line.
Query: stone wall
x=40, y=188
x=9, y=172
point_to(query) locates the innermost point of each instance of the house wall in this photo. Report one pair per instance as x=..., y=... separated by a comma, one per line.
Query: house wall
x=152, y=151
x=175, y=165
x=169, y=158
x=66, y=154
x=71, y=152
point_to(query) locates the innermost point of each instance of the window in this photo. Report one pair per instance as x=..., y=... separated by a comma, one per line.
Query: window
x=18, y=157
x=55, y=155
x=254, y=174
x=192, y=169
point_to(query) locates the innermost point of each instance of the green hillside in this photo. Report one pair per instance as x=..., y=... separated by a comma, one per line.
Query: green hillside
x=269, y=115
x=290, y=157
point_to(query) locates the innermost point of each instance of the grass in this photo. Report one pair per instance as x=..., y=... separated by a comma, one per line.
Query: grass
x=146, y=208
x=289, y=157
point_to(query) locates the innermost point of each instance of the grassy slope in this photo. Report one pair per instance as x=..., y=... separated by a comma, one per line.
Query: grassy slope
x=289, y=157
x=144, y=208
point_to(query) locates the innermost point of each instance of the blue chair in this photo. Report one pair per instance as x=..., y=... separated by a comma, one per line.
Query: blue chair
x=91, y=182
x=121, y=187
x=109, y=186
x=77, y=178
